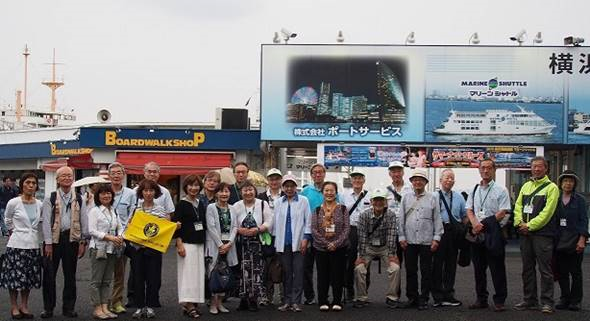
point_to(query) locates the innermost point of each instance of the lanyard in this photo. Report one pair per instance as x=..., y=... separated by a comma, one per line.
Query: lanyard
x=63, y=200
x=482, y=203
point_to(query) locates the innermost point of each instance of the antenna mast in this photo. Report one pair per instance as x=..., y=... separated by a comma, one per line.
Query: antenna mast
x=53, y=84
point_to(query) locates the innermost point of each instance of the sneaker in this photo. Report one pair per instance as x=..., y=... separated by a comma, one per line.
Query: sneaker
x=295, y=308
x=336, y=308
x=264, y=302
x=308, y=302
x=547, y=309
x=149, y=313
x=222, y=309
x=284, y=307
x=451, y=303
x=213, y=310
x=137, y=314
x=360, y=304
x=392, y=303
x=525, y=306
x=437, y=304
x=118, y=308
x=324, y=308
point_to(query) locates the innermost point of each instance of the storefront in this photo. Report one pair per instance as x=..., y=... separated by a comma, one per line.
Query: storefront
x=178, y=151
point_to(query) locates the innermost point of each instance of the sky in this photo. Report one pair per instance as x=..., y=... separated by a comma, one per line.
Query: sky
x=177, y=60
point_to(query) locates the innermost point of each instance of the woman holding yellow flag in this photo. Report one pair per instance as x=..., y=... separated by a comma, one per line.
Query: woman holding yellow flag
x=147, y=261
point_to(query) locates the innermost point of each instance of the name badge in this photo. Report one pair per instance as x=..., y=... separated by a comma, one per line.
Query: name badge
x=331, y=229
x=376, y=242
x=563, y=222
x=528, y=209
x=198, y=226
x=225, y=236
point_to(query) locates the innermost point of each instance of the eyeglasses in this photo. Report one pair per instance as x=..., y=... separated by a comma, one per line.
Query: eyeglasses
x=66, y=175
x=117, y=173
x=152, y=171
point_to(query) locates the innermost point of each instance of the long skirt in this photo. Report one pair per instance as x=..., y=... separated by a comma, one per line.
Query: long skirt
x=21, y=269
x=191, y=274
x=252, y=278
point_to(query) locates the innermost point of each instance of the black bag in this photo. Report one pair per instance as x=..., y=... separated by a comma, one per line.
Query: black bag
x=221, y=279
x=567, y=241
x=269, y=250
x=275, y=270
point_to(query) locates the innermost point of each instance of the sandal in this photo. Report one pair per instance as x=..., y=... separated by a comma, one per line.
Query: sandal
x=193, y=313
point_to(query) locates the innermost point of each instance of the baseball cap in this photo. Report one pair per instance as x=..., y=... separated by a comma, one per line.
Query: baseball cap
x=395, y=164
x=273, y=171
x=289, y=177
x=378, y=192
x=356, y=172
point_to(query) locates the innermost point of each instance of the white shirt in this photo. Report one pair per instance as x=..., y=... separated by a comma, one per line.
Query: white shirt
x=262, y=218
x=25, y=235
x=349, y=198
x=300, y=221
x=488, y=200
x=391, y=201
x=102, y=221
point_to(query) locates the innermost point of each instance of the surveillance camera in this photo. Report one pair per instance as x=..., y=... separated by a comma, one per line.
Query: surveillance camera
x=519, y=37
x=288, y=34
x=571, y=40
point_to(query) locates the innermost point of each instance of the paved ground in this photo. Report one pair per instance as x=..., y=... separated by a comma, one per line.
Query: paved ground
x=376, y=311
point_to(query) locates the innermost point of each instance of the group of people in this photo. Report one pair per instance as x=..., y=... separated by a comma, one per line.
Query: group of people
x=277, y=236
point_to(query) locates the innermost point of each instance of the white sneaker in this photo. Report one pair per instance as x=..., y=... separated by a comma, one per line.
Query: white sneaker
x=222, y=309
x=295, y=308
x=149, y=313
x=137, y=314
x=324, y=308
x=284, y=307
x=213, y=310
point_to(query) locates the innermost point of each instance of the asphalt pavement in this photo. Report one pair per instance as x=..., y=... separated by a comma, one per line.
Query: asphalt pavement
x=377, y=310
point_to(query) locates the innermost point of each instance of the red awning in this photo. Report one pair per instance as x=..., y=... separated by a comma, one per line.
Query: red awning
x=175, y=163
x=83, y=161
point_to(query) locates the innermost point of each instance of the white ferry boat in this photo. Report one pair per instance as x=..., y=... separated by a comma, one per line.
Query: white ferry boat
x=494, y=122
x=583, y=128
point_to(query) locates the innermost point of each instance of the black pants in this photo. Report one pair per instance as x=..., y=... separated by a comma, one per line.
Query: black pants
x=415, y=252
x=330, y=268
x=445, y=267
x=130, y=252
x=570, y=268
x=482, y=259
x=308, y=261
x=148, y=277
x=66, y=252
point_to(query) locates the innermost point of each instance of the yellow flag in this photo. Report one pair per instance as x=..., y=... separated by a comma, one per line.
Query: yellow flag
x=150, y=231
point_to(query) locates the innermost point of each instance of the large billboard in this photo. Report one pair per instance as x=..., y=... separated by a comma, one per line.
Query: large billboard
x=432, y=94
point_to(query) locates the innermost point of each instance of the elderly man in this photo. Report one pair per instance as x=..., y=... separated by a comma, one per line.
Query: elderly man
x=241, y=170
x=420, y=231
x=65, y=234
x=453, y=213
x=151, y=171
x=487, y=209
x=356, y=201
x=533, y=217
x=377, y=231
x=124, y=204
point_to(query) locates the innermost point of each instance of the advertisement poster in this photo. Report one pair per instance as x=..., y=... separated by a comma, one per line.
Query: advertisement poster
x=425, y=94
x=421, y=156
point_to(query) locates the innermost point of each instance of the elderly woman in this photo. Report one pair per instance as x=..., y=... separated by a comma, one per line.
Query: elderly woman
x=221, y=235
x=254, y=217
x=148, y=262
x=21, y=267
x=330, y=227
x=105, y=245
x=210, y=183
x=190, y=246
x=573, y=233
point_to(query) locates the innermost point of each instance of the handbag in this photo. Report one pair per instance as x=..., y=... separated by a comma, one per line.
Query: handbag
x=275, y=270
x=567, y=241
x=267, y=242
x=221, y=278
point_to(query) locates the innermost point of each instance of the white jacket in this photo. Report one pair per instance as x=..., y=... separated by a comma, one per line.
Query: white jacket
x=25, y=235
x=300, y=221
x=213, y=241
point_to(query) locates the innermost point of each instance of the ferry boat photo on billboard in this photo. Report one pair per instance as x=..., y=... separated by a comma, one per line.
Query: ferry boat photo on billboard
x=583, y=128
x=494, y=122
